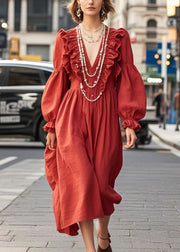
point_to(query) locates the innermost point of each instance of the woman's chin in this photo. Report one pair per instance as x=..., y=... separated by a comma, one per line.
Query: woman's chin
x=91, y=14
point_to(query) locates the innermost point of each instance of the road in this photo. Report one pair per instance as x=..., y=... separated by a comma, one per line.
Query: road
x=147, y=220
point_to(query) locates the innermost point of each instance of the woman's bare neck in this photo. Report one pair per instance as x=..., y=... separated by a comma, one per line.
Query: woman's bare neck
x=91, y=23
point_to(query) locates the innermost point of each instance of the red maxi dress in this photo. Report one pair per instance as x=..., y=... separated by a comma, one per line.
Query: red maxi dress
x=88, y=156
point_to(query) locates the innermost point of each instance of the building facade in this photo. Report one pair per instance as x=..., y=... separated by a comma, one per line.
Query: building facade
x=36, y=23
x=146, y=22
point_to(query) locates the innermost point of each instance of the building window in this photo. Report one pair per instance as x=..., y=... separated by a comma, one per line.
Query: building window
x=65, y=19
x=42, y=50
x=4, y=10
x=151, y=46
x=151, y=28
x=40, y=15
x=151, y=34
x=151, y=23
x=152, y=5
x=17, y=14
x=151, y=1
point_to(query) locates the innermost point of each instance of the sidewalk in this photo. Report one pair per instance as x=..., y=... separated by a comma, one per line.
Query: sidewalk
x=168, y=135
x=147, y=220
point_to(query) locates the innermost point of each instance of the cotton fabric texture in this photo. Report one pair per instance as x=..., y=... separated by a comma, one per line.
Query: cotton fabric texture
x=88, y=157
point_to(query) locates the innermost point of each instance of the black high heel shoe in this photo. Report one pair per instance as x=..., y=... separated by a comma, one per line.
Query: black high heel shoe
x=108, y=249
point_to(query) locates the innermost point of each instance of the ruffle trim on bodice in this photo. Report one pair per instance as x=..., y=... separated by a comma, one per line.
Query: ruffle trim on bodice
x=71, y=52
x=71, y=57
x=113, y=52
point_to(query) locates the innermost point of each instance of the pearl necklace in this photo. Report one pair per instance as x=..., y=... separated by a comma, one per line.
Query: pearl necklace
x=89, y=38
x=84, y=66
x=83, y=54
x=90, y=100
x=85, y=29
x=82, y=59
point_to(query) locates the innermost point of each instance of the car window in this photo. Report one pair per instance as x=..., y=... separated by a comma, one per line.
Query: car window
x=47, y=75
x=21, y=76
x=3, y=76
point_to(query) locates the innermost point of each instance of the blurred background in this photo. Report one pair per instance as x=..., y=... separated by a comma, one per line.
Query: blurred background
x=28, y=29
x=148, y=217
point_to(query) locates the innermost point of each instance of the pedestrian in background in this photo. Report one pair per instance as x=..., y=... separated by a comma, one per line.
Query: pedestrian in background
x=159, y=102
x=177, y=106
x=94, y=81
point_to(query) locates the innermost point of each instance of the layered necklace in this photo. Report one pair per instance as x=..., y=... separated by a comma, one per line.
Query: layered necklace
x=89, y=36
x=98, y=69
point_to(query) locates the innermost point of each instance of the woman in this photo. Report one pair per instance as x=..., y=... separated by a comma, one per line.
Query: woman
x=94, y=81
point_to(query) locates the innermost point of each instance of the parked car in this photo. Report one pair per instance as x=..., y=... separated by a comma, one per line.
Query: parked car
x=143, y=135
x=21, y=87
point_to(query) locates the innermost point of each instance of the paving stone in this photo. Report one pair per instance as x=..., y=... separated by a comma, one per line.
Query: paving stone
x=147, y=220
x=170, y=250
x=175, y=245
x=36, y=237
x=18, y=177
x=173, y=234
x=8, y=249
x=80, y=250
x=144, y=245
x=4, y=232
x=6, y=238
x=39, y=244
x=60, y=244
x=52, y=250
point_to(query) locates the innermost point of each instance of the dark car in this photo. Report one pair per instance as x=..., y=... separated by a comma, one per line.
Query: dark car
x=21, y=87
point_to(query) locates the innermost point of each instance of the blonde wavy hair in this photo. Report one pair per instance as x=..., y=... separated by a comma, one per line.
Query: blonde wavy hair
x=73, y=5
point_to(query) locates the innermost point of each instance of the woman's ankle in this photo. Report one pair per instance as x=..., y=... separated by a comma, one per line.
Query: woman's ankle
x=90, y=250
x=103, y=233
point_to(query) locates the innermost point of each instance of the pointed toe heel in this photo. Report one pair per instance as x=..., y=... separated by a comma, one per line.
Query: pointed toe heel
x=108, y=249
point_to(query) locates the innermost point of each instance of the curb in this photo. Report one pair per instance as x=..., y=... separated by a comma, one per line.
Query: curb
x=165, y=141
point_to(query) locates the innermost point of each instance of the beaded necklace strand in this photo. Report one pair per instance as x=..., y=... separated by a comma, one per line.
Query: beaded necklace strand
x=84, y=66
x=83, y=54
x=89, y=37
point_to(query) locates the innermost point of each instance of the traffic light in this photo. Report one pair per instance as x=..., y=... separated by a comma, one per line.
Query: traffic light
x=169, y=59
x=3, y=39
x=3, y=34
x=157, y=58
x=154, y=59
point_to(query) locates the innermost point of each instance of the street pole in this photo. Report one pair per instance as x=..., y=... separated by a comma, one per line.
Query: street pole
x=178, y=64
x=1, y=54
x=164, y=76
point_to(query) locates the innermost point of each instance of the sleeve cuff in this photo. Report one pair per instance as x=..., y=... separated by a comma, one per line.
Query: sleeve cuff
x=131, y=123
x=49, y=127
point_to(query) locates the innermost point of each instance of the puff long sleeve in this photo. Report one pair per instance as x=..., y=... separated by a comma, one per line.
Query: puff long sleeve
x=56, y=86
x=130, y=87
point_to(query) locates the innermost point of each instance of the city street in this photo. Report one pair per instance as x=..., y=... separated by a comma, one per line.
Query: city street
x=147, y=220
x=79, y=65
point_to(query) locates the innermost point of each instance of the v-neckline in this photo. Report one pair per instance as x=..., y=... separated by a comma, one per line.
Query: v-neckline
x=86, y=55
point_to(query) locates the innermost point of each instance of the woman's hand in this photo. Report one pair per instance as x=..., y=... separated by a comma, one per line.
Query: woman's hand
x=131, y=138
x=51, y=141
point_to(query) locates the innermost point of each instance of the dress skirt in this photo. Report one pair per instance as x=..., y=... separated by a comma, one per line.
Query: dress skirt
x=88, y=157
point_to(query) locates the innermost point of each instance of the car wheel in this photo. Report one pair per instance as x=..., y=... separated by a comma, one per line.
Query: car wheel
x=42, y=133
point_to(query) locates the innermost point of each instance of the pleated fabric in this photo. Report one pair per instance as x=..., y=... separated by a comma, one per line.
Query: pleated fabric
x=88, y=158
